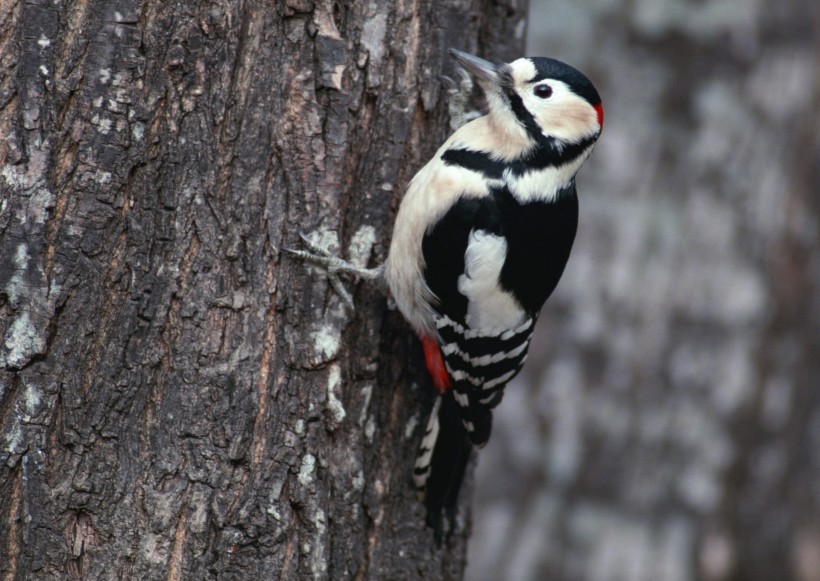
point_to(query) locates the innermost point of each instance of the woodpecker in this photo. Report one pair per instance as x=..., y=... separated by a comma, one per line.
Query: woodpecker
x=480, y=241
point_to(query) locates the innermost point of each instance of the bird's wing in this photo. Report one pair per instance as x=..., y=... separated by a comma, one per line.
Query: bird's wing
x=482, y=328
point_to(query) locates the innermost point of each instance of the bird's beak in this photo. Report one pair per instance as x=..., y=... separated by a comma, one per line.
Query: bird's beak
x=481, y=69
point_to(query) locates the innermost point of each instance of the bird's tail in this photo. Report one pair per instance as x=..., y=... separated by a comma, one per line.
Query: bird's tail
x=442, y=460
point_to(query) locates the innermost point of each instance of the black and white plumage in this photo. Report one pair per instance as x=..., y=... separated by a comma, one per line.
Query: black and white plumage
x=481, y=239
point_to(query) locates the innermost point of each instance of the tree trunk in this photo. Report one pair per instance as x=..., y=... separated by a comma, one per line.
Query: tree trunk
x=178, y=398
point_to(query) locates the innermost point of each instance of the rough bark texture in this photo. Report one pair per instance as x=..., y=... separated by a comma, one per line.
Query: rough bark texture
x=668, y=426
x=178, y=399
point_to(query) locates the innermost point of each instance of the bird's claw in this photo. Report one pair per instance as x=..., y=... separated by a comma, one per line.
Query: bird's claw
x=333, y=267
x=458, y=93
x=464, y=86
x=449, y=83
x=321, y=258
x=315, y=248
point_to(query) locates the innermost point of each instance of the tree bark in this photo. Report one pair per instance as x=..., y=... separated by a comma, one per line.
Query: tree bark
x=178, y=398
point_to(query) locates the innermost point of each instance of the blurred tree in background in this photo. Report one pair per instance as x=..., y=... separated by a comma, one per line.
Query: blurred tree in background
x=667, y=426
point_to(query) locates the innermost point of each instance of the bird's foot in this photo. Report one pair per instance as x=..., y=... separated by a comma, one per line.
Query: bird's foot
x=333, y=266
x=458, y=99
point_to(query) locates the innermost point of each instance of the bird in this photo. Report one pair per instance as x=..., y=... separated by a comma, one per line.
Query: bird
x=480, y=241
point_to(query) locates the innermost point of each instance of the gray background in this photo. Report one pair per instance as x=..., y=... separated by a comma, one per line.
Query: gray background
x=667, y=424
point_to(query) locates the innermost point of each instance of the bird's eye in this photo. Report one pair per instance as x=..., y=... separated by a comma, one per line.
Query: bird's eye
x=543, y=91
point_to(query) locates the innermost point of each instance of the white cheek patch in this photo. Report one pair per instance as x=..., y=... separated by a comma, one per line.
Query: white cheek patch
x=572, y=118
x=567, y=116
x=489, y=306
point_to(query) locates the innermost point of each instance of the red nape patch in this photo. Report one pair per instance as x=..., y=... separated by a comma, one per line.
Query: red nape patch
x=435, y=364
x=599, y=109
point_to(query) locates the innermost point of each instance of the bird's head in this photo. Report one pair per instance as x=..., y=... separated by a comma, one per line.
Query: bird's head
x=545, y=97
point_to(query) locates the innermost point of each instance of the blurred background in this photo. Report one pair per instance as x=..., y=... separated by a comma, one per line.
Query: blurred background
x=667, y=424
